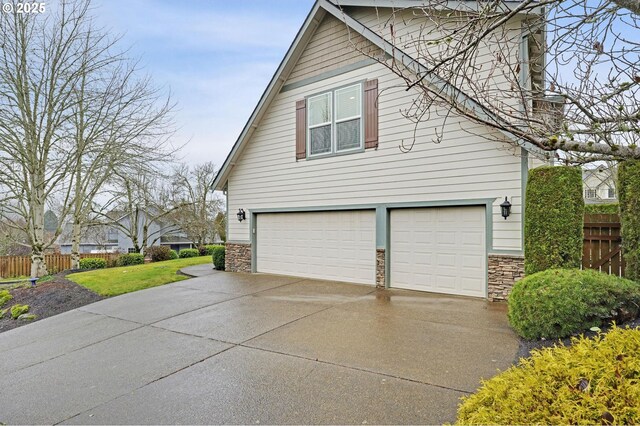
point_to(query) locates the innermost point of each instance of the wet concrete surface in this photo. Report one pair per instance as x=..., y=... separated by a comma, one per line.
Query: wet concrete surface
x=227, y=348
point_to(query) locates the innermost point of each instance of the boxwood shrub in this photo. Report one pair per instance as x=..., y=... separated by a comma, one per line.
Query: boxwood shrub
x=173, y=255
x=93, y=263
x=218, y=257
x=129, y=259
x=184, y=253
x=594, y=381
x=629, y=196
x=559, y=302
x=554, y=216
x=159, y=253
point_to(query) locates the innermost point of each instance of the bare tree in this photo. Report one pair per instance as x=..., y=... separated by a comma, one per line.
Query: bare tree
x=120, y=121
x=551, y=74
x=139, y=206
x=70, y=110
x=191, y=188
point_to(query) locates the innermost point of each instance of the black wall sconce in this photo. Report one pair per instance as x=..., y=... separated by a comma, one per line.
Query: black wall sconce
x=241, y=215
x=505, y=207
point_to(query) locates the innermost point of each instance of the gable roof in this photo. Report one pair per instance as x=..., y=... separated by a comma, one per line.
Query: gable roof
x=311, y=23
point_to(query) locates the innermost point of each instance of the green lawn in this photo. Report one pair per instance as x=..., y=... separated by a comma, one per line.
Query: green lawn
x=125, y=279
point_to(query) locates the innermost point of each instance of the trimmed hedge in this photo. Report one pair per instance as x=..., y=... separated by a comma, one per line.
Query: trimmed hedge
x=218, y=257
x=184, y=253
x=159, y=253
x=595, y=381
x=629, y=196
x=207, y=250
x=173, y=255
x=609, y=208
x=554, y=216
x=93, y=263
x=559, y=302
x=129, y=259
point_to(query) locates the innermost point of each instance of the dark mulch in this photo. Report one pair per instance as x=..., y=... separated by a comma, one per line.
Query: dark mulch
x=526, y=346
x=47, y=299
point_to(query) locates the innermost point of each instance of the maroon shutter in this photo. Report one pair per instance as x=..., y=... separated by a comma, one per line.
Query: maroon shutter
x=301, y=129
x=371, y=114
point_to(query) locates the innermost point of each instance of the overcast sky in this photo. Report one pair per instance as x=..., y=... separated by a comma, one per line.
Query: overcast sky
x=216, y=57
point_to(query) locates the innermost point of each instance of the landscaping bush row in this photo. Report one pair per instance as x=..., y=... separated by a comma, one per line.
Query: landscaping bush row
x=595, y=381
x=93, y=263
x=186, y=253
x=129, y=259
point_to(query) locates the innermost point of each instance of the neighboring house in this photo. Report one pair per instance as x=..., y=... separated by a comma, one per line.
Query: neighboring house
x=100, y=239
x=599, y=185
x=328, y=194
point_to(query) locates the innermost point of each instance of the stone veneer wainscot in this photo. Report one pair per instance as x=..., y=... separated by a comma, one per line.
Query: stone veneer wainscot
x=237, y=257
x=504, y=272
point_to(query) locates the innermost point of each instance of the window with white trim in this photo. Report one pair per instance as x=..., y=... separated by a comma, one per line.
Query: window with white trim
x=611, y=193
x=335, y=121
x=590, y=193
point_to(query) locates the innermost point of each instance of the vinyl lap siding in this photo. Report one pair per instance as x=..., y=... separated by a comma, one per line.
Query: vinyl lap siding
x=463, y=166
x=331, y=47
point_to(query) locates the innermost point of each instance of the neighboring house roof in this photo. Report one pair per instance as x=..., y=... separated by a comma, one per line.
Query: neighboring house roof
x=314, y=18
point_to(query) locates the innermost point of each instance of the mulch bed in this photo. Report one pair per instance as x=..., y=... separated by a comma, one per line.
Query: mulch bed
x=526, y=346
x=47, y=299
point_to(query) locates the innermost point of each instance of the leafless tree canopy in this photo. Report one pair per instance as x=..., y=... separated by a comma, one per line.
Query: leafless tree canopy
x=191, y=188
x=72, y=109
x=558, y=75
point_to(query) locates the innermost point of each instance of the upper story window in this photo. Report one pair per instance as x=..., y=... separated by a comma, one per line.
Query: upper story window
x=335, y=121
x=590, y=193
x=611, y=193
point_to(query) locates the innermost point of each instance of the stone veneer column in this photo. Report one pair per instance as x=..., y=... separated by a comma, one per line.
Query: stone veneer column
x=237, y=257
x=504, y=272
x=380, y=268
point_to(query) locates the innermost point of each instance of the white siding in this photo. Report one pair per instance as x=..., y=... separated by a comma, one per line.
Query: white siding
x=462, y=166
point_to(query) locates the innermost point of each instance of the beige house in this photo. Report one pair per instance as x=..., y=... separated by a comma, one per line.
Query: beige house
x=326, y=192
x=599, y=185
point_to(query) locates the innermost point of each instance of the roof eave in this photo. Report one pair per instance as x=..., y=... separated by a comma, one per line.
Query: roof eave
x=277, y=81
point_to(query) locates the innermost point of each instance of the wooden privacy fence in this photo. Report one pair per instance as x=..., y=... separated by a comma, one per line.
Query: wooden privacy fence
x=17, y=266
x=602, y=249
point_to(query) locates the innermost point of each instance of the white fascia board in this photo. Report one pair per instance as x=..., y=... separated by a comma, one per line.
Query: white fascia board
x=306, y=31
x=417, y=68
x=404, y=4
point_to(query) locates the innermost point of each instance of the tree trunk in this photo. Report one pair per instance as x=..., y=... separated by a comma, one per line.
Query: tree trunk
x=38, y=266
x=75, y=245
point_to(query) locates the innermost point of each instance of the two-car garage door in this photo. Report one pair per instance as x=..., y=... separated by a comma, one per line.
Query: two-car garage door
x=431, y=249
x=337, y=246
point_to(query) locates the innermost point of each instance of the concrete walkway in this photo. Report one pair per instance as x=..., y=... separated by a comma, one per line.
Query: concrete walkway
x=249, y=349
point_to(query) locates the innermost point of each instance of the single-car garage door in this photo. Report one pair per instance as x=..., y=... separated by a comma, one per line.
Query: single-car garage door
x=439, y=250
x=326, y=245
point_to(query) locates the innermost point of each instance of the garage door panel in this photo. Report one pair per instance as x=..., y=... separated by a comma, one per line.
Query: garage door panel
x=324, y=245
x=439, y=250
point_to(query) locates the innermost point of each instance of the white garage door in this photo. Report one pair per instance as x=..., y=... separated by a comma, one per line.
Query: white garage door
x=337, y=246
x=439, y=249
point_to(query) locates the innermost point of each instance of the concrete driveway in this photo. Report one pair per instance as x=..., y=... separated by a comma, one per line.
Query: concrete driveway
x=239, y=348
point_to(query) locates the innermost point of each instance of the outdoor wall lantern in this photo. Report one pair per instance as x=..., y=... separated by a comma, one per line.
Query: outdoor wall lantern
x=241, y=215
x=506, y=208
